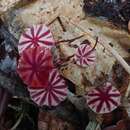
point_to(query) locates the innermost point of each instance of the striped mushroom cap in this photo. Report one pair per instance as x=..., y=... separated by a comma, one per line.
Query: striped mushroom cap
x=84, y=55
x=104, y=99
x=34, y=66
x=37, y=35
x=53, y=94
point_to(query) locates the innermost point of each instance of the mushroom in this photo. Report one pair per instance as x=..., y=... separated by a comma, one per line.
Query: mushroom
x=37, y=35
x=34, y=66
x=85, y=55
x=104, y=99
x=53, y=94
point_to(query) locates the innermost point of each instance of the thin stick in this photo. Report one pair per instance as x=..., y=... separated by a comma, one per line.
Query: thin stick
x=60, y=22
x=106, y=46
x=70, y=40
x=52, y=21
x=95, y=43
x=111, y=50
x=18, y=122
x=116, y=55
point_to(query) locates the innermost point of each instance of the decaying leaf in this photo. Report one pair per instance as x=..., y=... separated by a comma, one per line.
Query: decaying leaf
x=120, y=77
x=48, y=121
x=114, y=117
x=75, y=25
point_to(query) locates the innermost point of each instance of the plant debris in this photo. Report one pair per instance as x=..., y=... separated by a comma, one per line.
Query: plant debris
x=117, y=11
x=60, y=70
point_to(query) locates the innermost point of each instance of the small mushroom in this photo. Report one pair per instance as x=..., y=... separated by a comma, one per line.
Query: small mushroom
x=85, y=55
x=37, y=35
x=104, y=99
x=34, y=66
x=53, y=94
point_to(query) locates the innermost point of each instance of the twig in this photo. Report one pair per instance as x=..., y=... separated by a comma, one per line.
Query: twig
x=111, y=50
x=52, y=21
x=95, y=43
x=18, y=122
x=116, y=55
x=108, y=47
x=70, y=40
x=60, y=22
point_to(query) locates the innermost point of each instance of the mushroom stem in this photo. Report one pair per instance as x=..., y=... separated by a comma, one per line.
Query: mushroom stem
x=116, y=55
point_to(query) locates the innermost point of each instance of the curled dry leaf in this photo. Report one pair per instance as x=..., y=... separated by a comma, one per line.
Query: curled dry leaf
x=49, y=121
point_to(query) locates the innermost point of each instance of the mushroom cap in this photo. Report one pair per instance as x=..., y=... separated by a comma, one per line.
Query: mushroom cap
x=104, y=99
x=53, y=94
x=34, y=66
x=84, y=55
x=37, y=35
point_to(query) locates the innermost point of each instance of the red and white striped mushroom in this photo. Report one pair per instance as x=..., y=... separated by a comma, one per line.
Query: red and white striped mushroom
x=37, y=35
x=85, y=55
x=104, y=99
x=34, y=66
x=53, y=94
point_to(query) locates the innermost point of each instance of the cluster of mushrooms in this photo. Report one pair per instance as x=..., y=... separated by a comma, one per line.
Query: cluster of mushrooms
x=44, y=82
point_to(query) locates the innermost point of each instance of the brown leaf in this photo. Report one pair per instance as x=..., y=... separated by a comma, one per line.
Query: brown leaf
x=120, y=125
x=49, y=121
x=114, y=117
x=121, y=77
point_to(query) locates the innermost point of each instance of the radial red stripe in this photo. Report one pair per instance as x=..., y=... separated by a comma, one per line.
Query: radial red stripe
x=38, y=35
x=57, y=91
x=104, y=99
x=84, y=55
